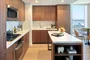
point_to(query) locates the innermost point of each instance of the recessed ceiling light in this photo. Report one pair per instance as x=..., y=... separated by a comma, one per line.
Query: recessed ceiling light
x=36, y=1
x=8, y=6
x=62, y=1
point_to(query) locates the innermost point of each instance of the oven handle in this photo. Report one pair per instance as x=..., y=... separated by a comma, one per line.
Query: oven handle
x=19, y=45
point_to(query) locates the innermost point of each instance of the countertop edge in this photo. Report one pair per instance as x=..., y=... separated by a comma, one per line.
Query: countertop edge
x=9, y=44
x=57, y=39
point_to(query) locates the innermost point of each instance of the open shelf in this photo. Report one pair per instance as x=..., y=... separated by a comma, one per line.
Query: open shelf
x=62, y=56
x=78, y=49
x=67, y=54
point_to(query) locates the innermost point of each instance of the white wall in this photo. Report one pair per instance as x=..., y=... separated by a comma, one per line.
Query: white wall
x=27, y=25
x=10, y=25
x=88, y=15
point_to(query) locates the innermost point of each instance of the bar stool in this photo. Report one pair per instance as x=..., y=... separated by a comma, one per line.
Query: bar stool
x=78, y=36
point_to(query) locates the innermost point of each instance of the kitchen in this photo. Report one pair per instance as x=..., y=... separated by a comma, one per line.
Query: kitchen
x=34, y=25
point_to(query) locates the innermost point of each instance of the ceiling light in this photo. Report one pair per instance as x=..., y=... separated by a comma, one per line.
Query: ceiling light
x=62, y=1
x=36, y=1
x=8, y=6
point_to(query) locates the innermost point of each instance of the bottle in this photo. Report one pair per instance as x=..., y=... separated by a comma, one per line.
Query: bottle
x=14, y=29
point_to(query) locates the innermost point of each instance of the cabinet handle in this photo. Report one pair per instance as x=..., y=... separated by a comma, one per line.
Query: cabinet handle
x=4, y=41
x=20, y=45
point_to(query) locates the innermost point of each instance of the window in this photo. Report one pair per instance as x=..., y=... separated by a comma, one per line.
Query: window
x=77, y=17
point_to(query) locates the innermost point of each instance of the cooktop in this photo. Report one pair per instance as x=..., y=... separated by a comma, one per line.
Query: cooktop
x=11, y=37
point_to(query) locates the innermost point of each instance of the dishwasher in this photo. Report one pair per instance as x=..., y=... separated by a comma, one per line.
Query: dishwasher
x=18, y=49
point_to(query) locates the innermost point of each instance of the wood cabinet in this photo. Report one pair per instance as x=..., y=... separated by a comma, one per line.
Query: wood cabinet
x=3, y=56
x=36, y=36
x=2, y=30
x=10, y=53
x=20, y=5
x=43, y=36
x=21, y=10
x=15, y=3
x=11, y=50
x=9, y=2
x=44, y=13
x=26, y=43
x=39, y=36
x=63, y=17
x=2, y=26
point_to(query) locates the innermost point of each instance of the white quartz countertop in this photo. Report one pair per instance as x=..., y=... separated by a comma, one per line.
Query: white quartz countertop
x=10, y=43
x=67, y=38
x=44, y=28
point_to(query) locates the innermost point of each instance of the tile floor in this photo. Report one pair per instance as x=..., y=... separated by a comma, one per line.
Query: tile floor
x=37, y=52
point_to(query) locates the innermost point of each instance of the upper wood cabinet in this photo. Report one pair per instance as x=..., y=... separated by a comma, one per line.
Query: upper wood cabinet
x=9, y=2
x=21, y=10
x=63, y=17
x=15, y=3
x=44, y=13
x=20, y=5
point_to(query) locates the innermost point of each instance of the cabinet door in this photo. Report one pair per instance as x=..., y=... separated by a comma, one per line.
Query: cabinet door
x=46, y=13
x=3, y=56
x=34, y=10
x=10, y=53
x=44, y=36
x=37, y=13
x=53, y=13
x=15, y=3
x=36, y=36
x=7, y=2
x=26, y=43
x=21, y=10
x=2, y=26
x=63, y=17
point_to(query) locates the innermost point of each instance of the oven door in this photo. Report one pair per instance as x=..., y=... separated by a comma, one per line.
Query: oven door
x=18, y=51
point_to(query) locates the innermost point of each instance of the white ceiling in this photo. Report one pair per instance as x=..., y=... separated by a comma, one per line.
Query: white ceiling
x=82, y=2
x=54, y=2
x=49, y=2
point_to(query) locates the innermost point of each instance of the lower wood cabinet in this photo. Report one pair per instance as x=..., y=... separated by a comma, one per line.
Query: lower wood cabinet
x=39, y=36
x=36, y=36
x=26, y=43
x=44, y=36
x=10, y=53
x=3, y=56
x=11, y=50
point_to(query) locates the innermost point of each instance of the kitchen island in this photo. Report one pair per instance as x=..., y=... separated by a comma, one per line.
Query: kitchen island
x=66, y=47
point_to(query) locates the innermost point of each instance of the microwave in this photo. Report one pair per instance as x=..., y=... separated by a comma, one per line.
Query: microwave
x=12, y=13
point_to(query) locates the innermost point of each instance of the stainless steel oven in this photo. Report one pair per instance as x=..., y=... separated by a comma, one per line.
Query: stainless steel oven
x=18, y=49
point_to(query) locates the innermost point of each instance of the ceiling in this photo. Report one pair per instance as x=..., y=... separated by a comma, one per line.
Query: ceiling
x=54, y=2
x=82, y=2
x=49, y=2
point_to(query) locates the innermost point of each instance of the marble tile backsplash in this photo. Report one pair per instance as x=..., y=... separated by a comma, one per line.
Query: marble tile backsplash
x=42, y=24
x=10, y=25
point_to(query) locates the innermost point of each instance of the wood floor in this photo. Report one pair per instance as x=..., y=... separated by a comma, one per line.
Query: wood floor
x=37, y=52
